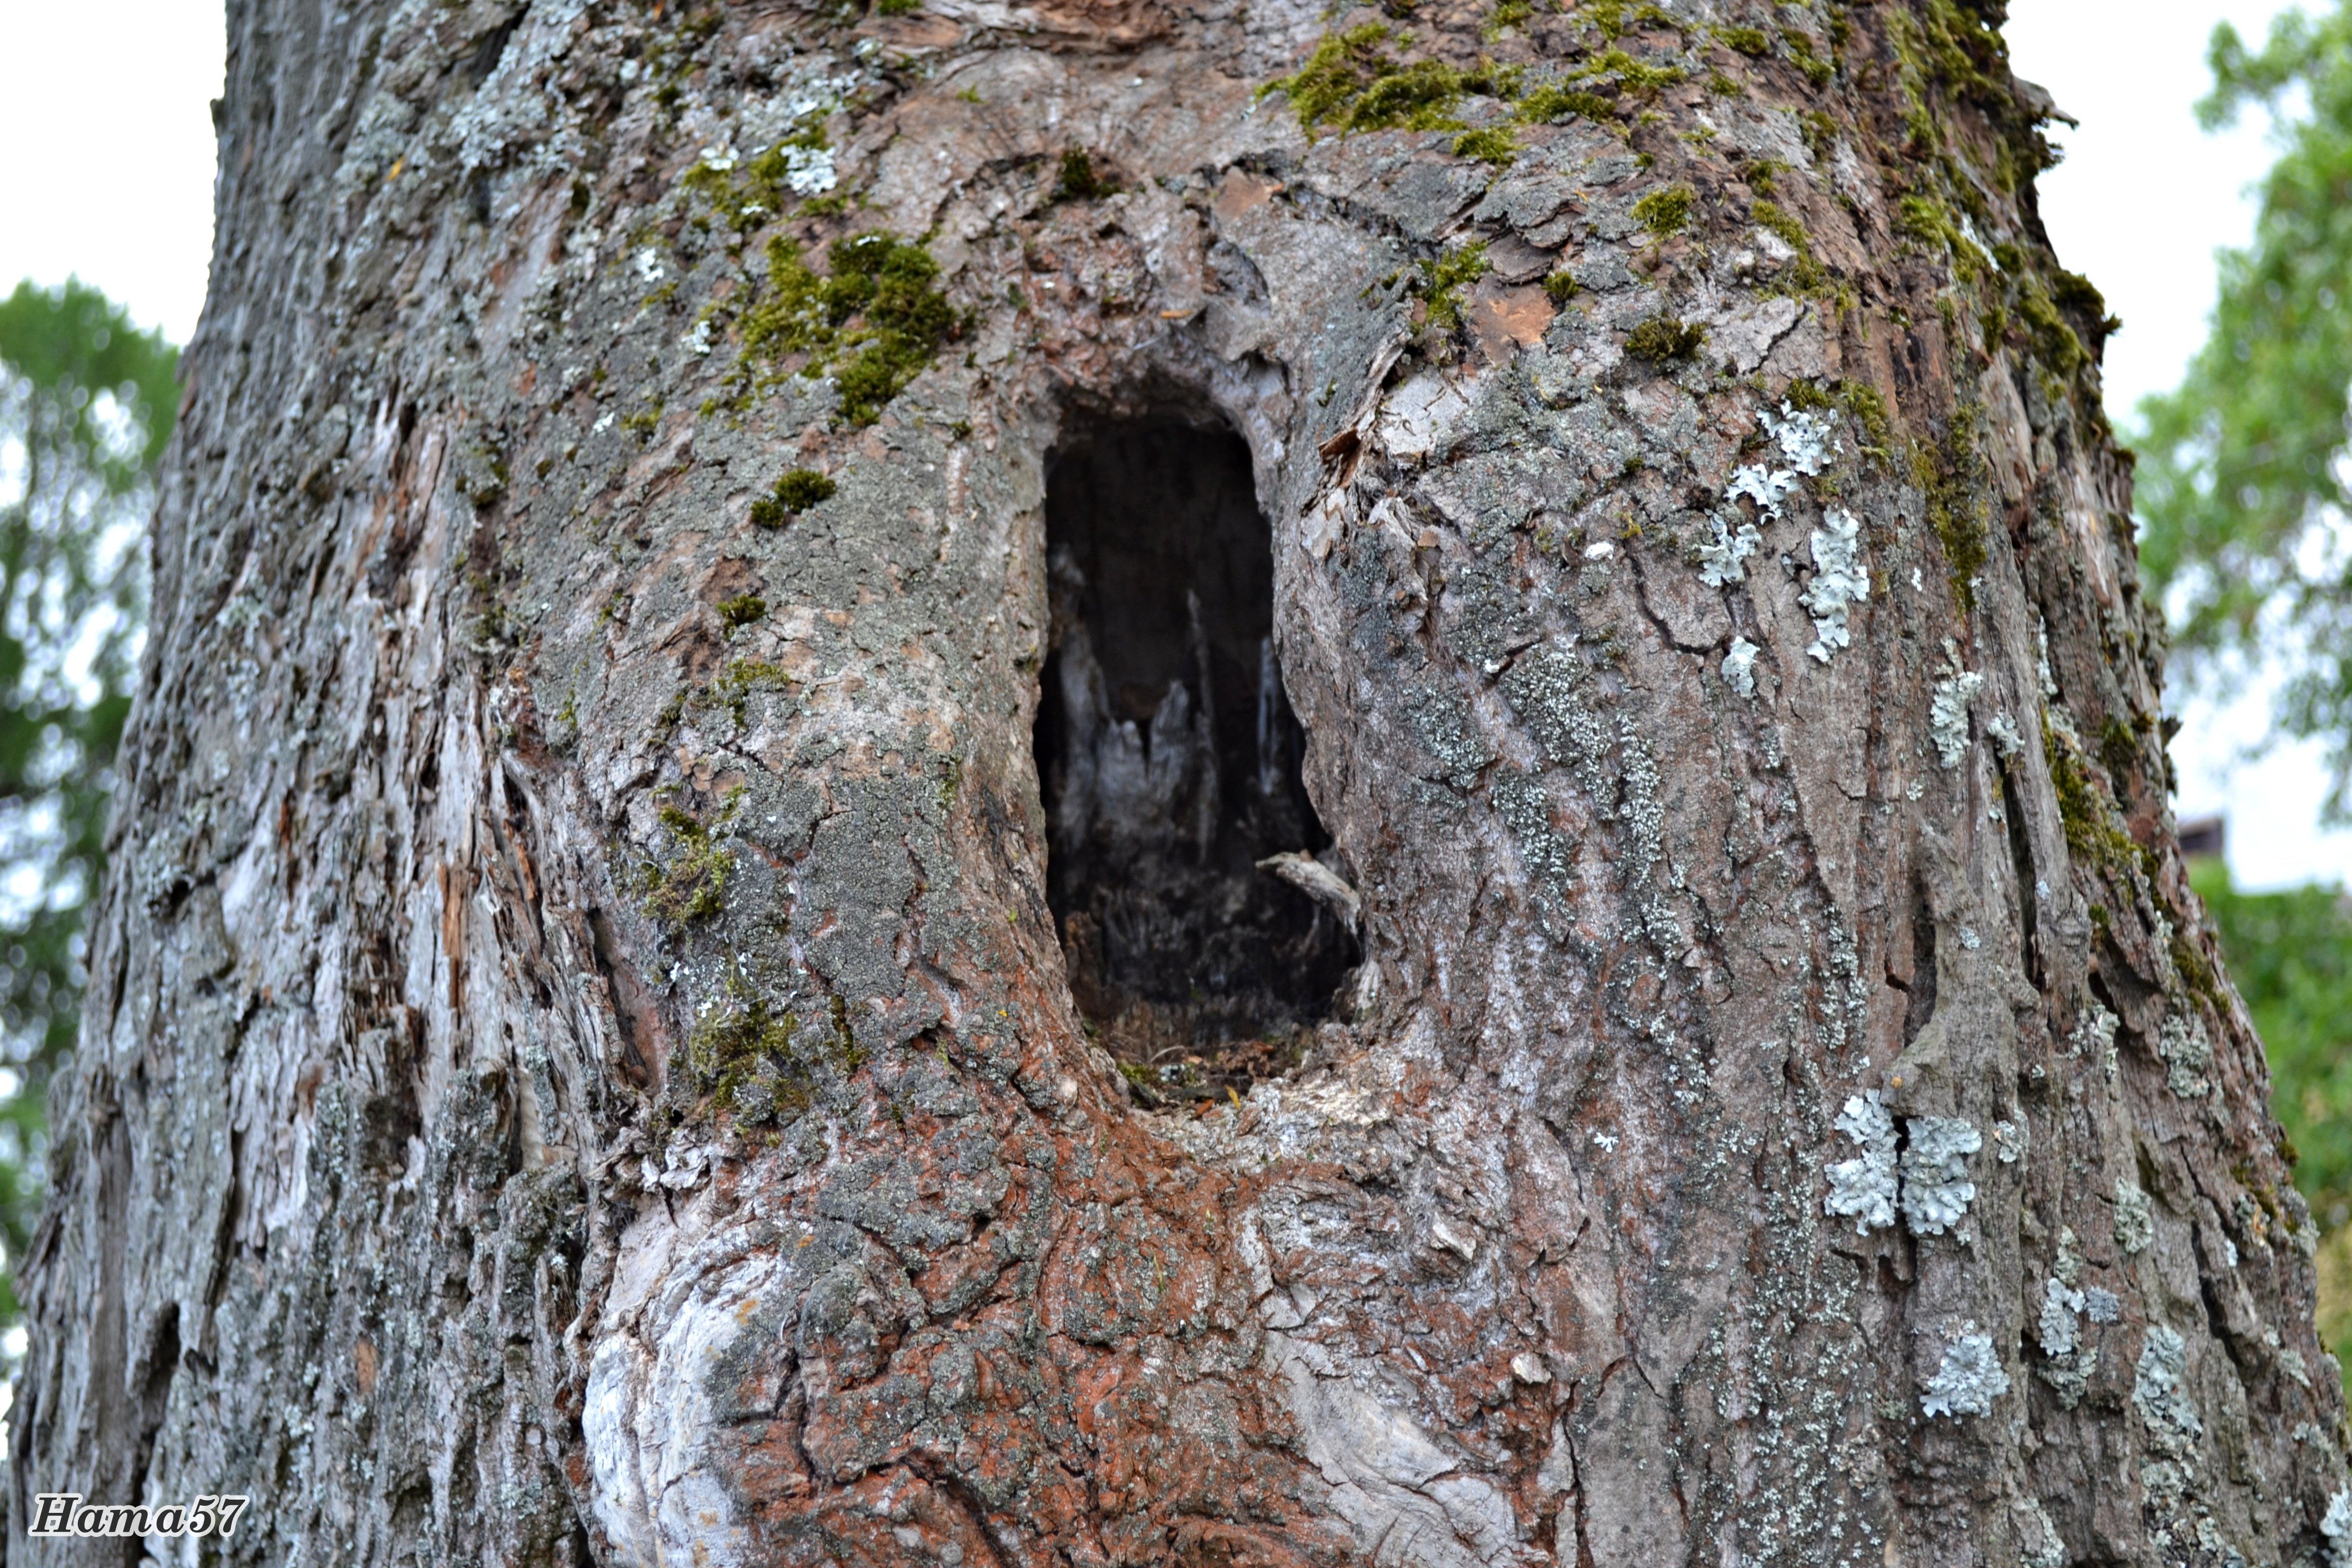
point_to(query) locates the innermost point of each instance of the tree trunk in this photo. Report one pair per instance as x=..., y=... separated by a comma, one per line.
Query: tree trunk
x=687, y=977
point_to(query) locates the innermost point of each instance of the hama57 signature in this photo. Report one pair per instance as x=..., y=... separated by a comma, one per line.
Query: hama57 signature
x=65, y=1514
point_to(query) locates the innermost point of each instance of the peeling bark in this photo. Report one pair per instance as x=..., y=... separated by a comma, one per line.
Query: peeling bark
x=580, y=1062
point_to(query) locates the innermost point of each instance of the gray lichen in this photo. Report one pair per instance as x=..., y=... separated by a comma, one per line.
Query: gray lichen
x=2135, y=1221
x=1807, y=441
x=1839, y=581
x=1947, y=713
x=2006, y=739
x=1722, y=560
x=2187, y=1051
x=2010, y=1140
x=1936, y=1189
x=1740, y=666
x=2052, y=1552
x=2171, y=1416
x=1970, y=1379
x=1764, y=487
x=2102, y=1306
x=1864, y=1187
x=2335, y=1525
x=2061, y=1319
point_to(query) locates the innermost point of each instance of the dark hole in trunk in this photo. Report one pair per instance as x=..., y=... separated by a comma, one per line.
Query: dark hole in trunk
x=1170, y=760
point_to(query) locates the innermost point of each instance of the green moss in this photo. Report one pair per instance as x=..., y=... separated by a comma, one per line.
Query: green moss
x=1443, y=280
x=1507, y=15
x=757, y=190
x=1543, y=105
x=2053, y=336
x=742, y=611
x=1951, y=475
x=1560, y=285
x=1615, y=18
x=2084, y=809
x=644, y=421
x=1745, y=40
x=1869, y=411
x=1352, y=83
x=1495, y=144
x=896, y=7
x=1820, y=133
x=1334, y=75
x=1079, y=181
x=874, y=321
x=2076, y=292
x=732, y=687
x=1774, y=218
x=2119, y=749
x=1665, y=211
x=1665, y=337
x=795, y=492
x=693, y=885
x=1817, y=70
x=1723, y=86
x=742, y=1058
x=1636, y=77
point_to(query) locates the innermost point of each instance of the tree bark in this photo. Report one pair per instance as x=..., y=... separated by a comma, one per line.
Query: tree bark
x=581, y=1060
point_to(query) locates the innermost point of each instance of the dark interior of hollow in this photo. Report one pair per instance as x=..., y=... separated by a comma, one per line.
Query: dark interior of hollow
x=1170, y=759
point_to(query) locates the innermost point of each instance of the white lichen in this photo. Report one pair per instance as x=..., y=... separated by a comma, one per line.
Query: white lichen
x=1839, y=581
x=1807, y=441
x=2042, y=658
x=1722, y=560
x=2135, y=1221
x=697, y=338
x=2005, y=737
x=1948, y=712
x=1936, y=1191
x=1761, y=485
x=2008, y=1141
x=648, y=263
x=1970, y=1379
x=1740, y=666
x=2052, y=1552
x=809, y=171
x=2336, y=1524
x=1864, y=1187
x=2102, y=1306
x=2062, y=1312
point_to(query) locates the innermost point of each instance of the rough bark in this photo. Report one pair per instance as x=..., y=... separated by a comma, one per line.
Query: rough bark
x=576, y=1073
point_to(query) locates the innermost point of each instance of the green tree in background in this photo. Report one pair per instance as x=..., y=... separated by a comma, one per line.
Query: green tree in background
x=2291, y=955
x=86, y=404
x=2245, y=503
x=2243, y=490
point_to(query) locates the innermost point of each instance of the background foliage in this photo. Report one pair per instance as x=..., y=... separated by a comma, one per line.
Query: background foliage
x=2245, y=497
x=86, y=405
x=2291, y=955
x=2242, y=489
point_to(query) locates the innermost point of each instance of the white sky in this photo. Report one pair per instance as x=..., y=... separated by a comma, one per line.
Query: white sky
x=104, y=111
x=2139, y=205
x=122, y=197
